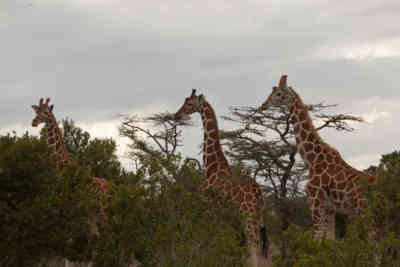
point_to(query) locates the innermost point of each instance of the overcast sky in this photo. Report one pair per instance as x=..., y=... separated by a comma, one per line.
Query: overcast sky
x=100, y=58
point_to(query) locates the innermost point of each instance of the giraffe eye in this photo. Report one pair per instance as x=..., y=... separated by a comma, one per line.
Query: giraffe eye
x=278, y=94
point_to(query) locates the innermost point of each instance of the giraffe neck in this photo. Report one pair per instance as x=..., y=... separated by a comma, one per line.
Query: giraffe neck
x=213, y=157
x=308, y=141
x=56, y=142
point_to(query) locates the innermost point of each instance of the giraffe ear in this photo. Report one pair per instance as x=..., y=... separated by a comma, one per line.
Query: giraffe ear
x=193, y=92
x=51, y=108
x=35, y=107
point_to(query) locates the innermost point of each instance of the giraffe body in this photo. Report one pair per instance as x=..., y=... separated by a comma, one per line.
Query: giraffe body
x=333, y=185
x=44, y=114
x=218, y=175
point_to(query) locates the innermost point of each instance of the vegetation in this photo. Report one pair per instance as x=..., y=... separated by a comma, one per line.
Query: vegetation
x=371, y=240
x=156, y=214
x=39, y=211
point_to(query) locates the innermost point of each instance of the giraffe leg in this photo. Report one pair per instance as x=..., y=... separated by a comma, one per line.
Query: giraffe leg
x=253, y=259
x=323, y=218
x=322, y=212
x=318, y=232
x=256, y=258
x=324, y=223
x=330, y=217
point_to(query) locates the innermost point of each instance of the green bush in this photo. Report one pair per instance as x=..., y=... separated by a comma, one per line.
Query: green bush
x=42, y=216
x=164, y=223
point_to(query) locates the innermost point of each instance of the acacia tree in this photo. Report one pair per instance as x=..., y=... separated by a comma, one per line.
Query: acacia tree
x=264, y=143
x=155, y=139
x=182, y=229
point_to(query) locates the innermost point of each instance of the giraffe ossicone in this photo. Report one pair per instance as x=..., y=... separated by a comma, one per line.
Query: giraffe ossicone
x=333, y=185
x=217, y=176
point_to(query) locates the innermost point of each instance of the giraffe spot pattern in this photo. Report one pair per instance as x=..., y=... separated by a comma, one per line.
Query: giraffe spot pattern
x=324, y=179
x=209, y=149
x=311, y=190
x=340, y=176
x=303, y=115
x=318, y=168
x=303, y=134
x=315, y=181
x=213, y=135
x=211, y=169
x=311, y=137
x=208, y=113
x=331, y=169
x=330, y=178
x=323, y=165
x=211, y=160
x=310, y=157
x=308, y=147
x=320, y=158
x=217, y=174
x=302, y=152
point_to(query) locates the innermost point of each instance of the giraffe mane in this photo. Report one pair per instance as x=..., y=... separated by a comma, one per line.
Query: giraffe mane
x=295, y=94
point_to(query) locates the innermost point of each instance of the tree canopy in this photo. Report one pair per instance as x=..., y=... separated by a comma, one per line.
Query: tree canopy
x=156, y=214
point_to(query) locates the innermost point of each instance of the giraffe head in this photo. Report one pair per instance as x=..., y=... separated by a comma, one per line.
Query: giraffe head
x=43, y=112
x=191, y=105
x=281, y=96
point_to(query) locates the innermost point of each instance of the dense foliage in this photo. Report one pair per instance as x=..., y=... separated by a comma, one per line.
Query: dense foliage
x=372, y=239
x=38, y=210
x=156, y=215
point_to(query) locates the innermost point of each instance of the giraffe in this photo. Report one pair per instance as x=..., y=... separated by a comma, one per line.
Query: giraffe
x=333, y=185
x=44, y=114
x=218, y=177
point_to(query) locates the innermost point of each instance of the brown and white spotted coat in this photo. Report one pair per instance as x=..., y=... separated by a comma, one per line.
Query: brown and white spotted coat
x=333, y=185
x=218, y=174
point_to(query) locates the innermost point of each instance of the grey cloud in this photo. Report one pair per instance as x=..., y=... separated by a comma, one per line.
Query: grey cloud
x=98, y=60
